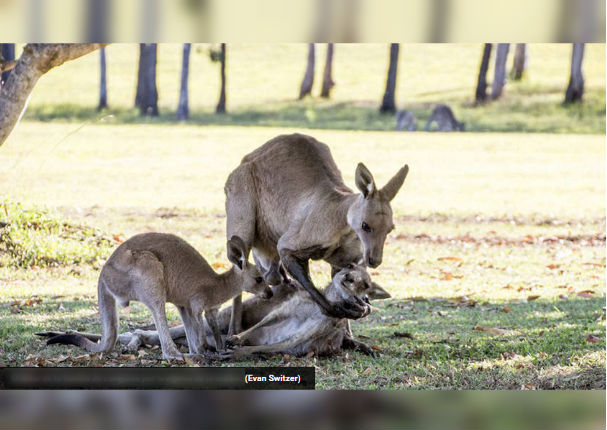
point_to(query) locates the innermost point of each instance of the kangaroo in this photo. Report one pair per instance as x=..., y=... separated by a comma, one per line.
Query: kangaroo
x=405, y=120
x=155, y=268
x=286, y=298
x=287, y=200
x=298, y=326
x=445, y=120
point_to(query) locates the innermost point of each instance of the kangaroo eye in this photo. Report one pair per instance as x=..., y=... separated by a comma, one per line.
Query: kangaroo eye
x=366, y=227
x=259, y=279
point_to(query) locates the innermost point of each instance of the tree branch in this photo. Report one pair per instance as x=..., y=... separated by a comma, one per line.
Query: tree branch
x=35, y=61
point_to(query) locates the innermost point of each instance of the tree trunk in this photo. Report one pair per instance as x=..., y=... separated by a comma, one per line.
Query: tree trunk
x=575, y=89
x=519, y=64
x=146, y=98
x=221, y=105
x=183, y=111
x=327, y=77
x=308, y=80
x=481, y=86
x=499, y=77
x=102, y=81
x=388, y=103
x=7, y=53
x=35, y=61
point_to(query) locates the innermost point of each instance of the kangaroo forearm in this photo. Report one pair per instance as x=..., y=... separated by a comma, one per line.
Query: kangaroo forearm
x=298, y=269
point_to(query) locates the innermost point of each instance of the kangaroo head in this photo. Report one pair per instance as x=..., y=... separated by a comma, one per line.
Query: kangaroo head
x=371, y=215
x=250, y=278
x=353, y=284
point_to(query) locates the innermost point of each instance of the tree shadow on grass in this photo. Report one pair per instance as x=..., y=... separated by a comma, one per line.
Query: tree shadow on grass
x=534, y=115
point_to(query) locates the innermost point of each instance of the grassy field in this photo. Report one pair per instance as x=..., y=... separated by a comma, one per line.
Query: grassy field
x=496, y=266
x=263, y=82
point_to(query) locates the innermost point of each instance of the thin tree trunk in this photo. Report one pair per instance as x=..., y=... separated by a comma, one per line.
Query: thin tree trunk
x=499, y=78
x=140, y=69
x=7, y=54
x=35, y=61
x=388, y=103
x=575, y=89
x=147, y=93
x=102, y=81
x=221, y=105
x=183, y=111
x=308, y=80
x=481, y=86
x=327, y=77
x=519, y=64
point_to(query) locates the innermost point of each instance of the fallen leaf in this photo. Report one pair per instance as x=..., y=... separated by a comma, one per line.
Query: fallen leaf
x=219, y=265
x=376, y=348
x=490, y=330
x=447, y=276
x=449, y=259
x=402, y=334
x=528, y=386
x=367, y=371
x=508, y=287
x=532, y=298
x=117, y=238
x=507, y=309
x=553, y=266
x=593, y=339
x=588, y=294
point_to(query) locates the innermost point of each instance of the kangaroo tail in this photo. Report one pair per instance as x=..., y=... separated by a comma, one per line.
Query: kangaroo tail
x=109, y=321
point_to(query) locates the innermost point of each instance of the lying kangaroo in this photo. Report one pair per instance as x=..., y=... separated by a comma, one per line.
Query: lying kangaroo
x=445, y=120
x=298, y=326
x=295, y=304
x=287, y=200
x=405, y=120
x=156, y=268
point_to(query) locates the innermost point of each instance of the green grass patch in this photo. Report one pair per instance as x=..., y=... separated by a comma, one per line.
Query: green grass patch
x=263, y=83
x=33, y=237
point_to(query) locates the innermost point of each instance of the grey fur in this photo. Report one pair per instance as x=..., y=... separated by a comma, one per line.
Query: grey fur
x=445, y=120
x=405, y=120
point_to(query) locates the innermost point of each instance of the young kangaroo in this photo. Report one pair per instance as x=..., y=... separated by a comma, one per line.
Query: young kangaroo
x=299, y=326
x=287, y=200
x=445, y=120
x=155, y=268
x=405, y=120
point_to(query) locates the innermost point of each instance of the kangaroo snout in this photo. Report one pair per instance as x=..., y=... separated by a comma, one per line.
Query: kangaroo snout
x=267, y=294
x=373, y=262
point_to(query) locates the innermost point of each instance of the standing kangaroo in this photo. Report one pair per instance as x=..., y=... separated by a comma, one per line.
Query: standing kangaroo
x=288, y=202
x=445, y=120
x=155, y=268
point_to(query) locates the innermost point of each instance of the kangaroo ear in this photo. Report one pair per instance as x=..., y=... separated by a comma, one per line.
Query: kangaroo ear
x=364, y=180
x=237, y=252
x=377, y=292
x=391, y=188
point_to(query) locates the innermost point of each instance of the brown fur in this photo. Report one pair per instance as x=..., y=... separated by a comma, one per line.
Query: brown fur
x=156, y=268
x=287, y=200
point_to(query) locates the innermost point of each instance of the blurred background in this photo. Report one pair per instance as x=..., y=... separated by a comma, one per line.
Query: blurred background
x=490, y=87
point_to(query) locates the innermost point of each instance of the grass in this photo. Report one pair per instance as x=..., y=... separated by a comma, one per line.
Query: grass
x=516, y=215
x=263, y=83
